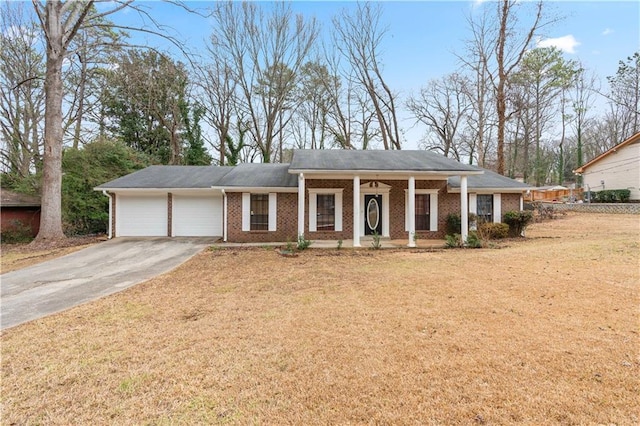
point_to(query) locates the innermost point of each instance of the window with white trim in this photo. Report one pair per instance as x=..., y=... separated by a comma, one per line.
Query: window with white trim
x=426, y=210
x=259, y=211
x=325, y=209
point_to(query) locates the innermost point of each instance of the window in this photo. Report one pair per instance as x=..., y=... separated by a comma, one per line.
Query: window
x=325, y=209
x=485, y=208
x=326, y=212
x=422, y=212
x=259, y=212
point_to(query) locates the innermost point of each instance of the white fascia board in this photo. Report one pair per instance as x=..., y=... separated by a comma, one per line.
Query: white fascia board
x=257, y=189
x=173, y=190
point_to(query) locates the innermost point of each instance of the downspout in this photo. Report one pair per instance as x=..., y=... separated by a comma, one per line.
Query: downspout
x=224, y=216
x=109, y=233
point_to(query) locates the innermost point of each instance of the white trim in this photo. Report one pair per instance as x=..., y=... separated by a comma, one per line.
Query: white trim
x=497, y=208
x=338, y=211
x=301, y=203
x=433, y=212
x=246, y=211
x=313, y=212
x=356, y=211
x=257, y=189
x=464, y=209
x=162, y=190
x=273, y=211
x=521, y=203
x=473, y=203
x=225, y=217
x=433, y=208
x=383, y=190
x=412, y=210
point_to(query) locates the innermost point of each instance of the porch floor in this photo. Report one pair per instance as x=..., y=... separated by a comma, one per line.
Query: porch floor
x=365, y=242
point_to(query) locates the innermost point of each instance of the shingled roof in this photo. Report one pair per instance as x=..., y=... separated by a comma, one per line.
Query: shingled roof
x=155, y=177
x=15, y=199
x=309, y=160
x=488, y=180
x=252, y=175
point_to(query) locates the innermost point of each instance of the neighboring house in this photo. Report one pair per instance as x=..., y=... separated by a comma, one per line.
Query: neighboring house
x=617, y=168
x=19, y=213
x=321, y=194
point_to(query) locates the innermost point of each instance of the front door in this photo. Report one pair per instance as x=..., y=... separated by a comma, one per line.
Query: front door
x=372, y=214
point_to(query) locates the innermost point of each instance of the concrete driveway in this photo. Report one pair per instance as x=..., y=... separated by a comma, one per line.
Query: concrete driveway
x=89, y=274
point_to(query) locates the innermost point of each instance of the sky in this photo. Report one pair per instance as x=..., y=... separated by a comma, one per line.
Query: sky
x=423, y=37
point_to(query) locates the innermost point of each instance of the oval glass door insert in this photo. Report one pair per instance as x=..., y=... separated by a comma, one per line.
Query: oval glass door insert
x=373, y=213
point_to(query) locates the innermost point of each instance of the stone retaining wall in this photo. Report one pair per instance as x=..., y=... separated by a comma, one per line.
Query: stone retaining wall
x=621, y=208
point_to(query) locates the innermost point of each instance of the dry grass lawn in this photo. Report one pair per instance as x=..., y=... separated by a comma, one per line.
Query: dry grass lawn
x=541, y=331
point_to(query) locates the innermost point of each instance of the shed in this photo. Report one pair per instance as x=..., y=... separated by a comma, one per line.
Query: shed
x=19, y=211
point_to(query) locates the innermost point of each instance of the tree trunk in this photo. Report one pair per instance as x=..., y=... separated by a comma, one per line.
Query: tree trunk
x=51, y=199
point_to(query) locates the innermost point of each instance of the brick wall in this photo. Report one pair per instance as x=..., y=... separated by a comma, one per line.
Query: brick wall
x=287, y=227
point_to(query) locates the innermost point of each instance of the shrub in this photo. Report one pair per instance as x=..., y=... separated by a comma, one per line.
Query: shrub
x=493, y=231
x=16, y=232
x=376, y=244
x=303, y=243
x=473, y=240
x=611, y=196
x=454, y=224
x=517, y=221
x=453, y=240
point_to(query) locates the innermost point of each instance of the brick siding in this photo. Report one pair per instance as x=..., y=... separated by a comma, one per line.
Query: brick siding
x=287, y=227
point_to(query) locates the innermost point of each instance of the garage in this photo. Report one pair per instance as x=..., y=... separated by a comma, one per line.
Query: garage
x=197, y=215
x=141, y=215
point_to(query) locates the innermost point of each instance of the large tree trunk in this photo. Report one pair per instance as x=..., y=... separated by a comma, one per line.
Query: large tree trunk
x=51, y=214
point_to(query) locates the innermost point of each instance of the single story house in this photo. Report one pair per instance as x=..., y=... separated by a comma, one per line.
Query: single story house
x=19, y=212
x=321, y=195
x=617, y=168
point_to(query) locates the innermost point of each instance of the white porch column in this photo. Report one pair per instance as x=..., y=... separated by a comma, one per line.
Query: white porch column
x=111, y=213
x=356, y=211
x=224, y=216
x=301, y=205
x=464, y=209
x=411, y=205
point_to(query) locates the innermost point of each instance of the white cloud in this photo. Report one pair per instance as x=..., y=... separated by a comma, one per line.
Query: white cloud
x=607, y=31
x=566, y=43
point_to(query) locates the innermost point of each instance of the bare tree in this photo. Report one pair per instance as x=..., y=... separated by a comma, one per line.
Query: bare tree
x=263, y=49
x=624, y=96
x=582, y=98
x=442, y=106
x=358, y=39
x=21, y=92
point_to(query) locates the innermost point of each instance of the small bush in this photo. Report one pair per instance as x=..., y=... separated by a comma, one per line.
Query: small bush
x=454, y=224
x=518, y=222
x=376, y=244
x=493, y=231
x=303, y=243
x=16, y=232
x=473, y=240
x=453, y=240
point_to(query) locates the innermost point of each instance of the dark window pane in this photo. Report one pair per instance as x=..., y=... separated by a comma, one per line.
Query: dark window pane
x=259, y=212
x=485, y=208
x=422, y=212
x=326, y=212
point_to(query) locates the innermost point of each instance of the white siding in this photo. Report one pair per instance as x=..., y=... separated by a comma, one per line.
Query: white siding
x=618, y=170
x=197, y=216
x=141, y=215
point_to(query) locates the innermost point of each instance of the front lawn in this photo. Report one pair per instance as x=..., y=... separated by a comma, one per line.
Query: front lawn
x=540, y=331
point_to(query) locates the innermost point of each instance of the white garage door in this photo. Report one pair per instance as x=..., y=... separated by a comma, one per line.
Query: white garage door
x=197, y=216
x=141, y=215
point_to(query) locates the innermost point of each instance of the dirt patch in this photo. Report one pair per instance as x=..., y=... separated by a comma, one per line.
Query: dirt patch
x=544, y=331
x=18, y=256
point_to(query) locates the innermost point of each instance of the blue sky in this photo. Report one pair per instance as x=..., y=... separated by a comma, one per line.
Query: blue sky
x=423, y=35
